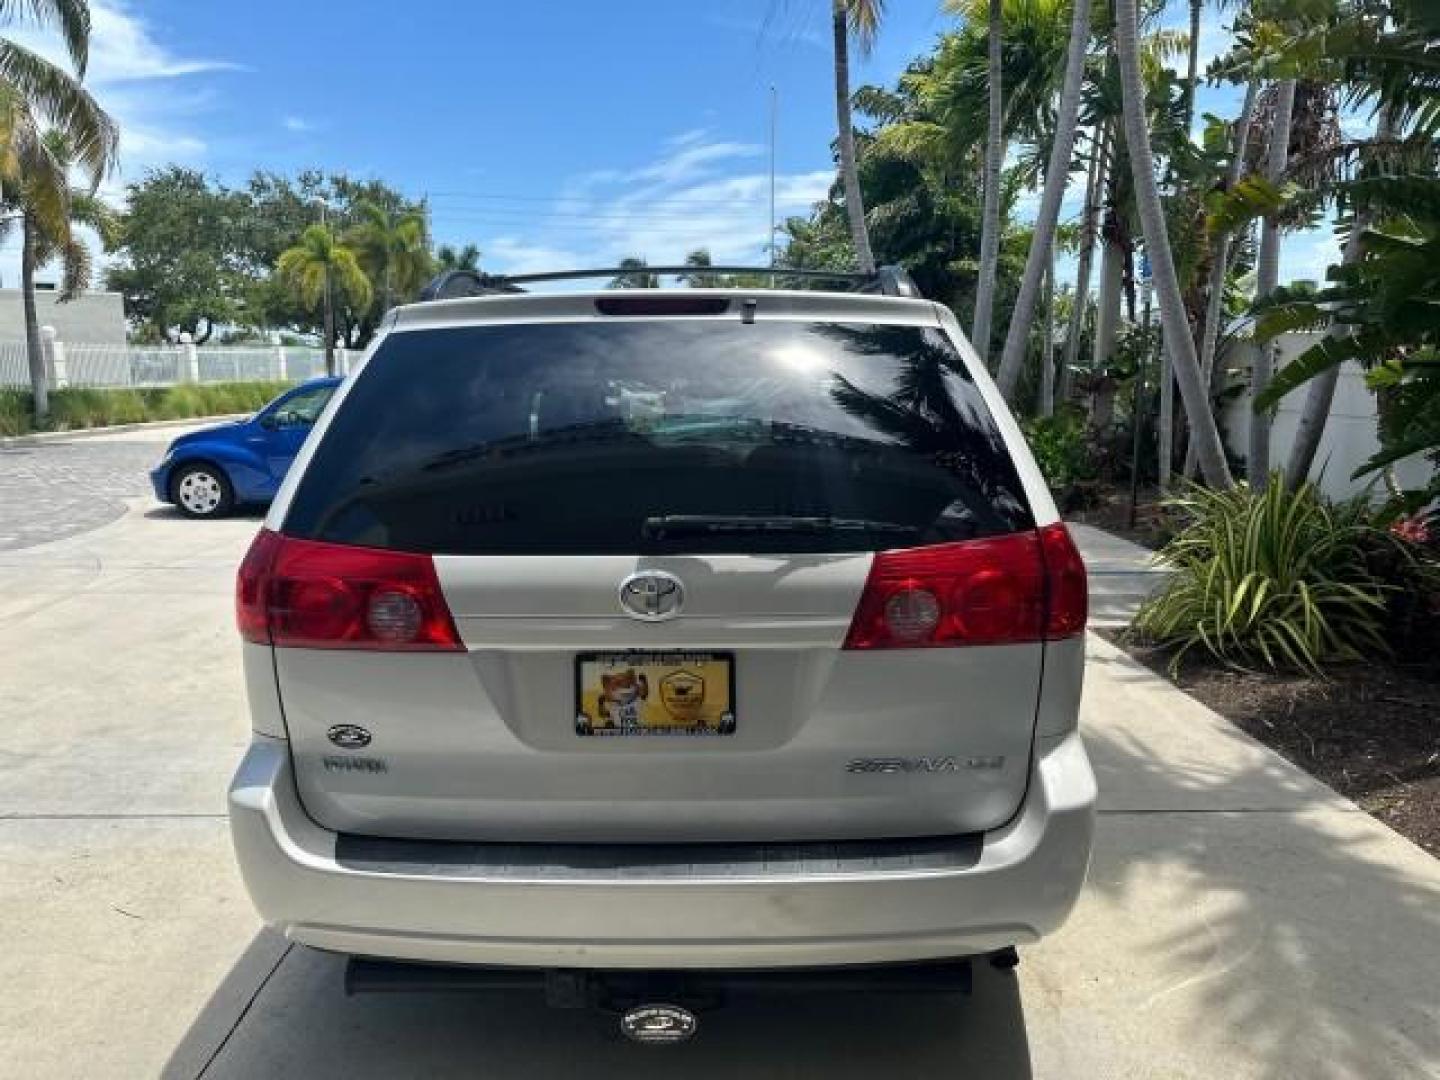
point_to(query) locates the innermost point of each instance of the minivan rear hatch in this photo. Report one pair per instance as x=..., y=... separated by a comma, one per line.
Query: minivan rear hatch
x=654, y=537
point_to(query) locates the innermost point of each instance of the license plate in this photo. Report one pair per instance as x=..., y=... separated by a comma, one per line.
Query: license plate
x=655, y=693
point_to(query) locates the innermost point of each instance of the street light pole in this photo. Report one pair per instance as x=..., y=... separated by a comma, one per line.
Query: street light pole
x=774, y=109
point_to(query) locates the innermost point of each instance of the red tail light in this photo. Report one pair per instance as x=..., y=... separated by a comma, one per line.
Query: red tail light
x=310, y=595
x=1025, y=587
x=1067, y=604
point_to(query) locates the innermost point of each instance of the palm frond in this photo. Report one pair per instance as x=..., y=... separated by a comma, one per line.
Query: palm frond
x=59, y=97
x=70, y=17
x=76, y=269
x=864, y=18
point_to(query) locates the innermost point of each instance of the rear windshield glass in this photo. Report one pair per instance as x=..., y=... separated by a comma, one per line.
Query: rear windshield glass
x=684, y=435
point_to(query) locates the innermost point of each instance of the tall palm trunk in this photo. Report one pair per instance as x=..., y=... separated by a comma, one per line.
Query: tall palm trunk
x=1090, y=217
x=1321, y=393
x=1107, y=304
x=1166, y=431
x=1057, y=175
x=329, y=325
x=1220, y=262
x=990, y=210
x=1157, y=243
x=34, y=347
x=1192, y=63
x=1267, y=276
x=1047, y=346
x=849, y=176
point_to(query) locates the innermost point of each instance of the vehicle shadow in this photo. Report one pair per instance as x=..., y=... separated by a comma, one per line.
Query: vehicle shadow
x=1298, y=933
x=300, y=1024
x=166, y=512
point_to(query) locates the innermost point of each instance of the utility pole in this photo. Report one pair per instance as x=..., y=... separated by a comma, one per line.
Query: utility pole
x=774, y=227
x=1138, y=407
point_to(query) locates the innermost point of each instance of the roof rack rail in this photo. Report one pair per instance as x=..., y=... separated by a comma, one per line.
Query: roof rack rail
x=457, y=284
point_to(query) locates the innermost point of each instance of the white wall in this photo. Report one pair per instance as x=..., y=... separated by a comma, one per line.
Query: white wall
x=1349, y=438
x=96, y=318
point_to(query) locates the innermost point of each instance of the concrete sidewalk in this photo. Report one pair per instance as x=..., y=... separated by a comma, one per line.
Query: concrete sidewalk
x=1241, y=919
x=1122, y=574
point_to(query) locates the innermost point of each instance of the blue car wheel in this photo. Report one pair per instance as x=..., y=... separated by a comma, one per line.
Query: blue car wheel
x=202, y=490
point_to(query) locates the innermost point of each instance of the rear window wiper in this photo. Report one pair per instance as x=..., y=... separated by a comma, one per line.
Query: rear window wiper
x=672, y=525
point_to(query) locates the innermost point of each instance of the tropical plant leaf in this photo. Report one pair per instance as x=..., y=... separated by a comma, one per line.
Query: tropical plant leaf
x=1252, y=198
x=1321, y=356
x=1274, y=578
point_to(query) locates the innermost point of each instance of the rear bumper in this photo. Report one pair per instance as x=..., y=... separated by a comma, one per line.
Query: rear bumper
x=1019, y=885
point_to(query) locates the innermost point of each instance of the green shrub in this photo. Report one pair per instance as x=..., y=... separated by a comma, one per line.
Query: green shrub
x=1276, y=579
x=1062, y=449
x=71, y=409
x=1410, y=564
x=14, y=412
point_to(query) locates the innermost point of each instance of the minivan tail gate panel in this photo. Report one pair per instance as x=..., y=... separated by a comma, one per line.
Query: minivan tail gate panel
x=829, y=743
x=536, y=465
x=479, y=746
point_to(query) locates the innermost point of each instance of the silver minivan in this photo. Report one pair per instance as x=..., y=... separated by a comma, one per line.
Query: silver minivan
x=698, y=630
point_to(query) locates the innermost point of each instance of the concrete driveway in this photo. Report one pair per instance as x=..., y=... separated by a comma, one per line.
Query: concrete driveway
x=1241, y=919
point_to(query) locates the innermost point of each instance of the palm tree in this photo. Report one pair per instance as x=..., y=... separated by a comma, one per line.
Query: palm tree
x=994, y=163
x=1192, y=62
x=1220, y=261
x=52, y=92
x=700, y=277
x=1267, y=277
x=1115, y=202
x=318, y=264
x=392, y=249
x=636, y=275
x=1057, y=175
x=1089, y=225
x=1047, y=351
x=1017, y=45
x=861, y=18
x=1178, y=341
x=448, y=257
x=45, y=207
x=30, y=174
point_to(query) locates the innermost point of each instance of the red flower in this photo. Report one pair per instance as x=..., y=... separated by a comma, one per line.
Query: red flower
x=1414, y=530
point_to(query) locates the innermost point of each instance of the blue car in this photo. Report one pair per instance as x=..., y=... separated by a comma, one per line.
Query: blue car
x=207, y=473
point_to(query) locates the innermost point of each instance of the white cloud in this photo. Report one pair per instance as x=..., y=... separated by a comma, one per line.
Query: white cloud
x=295, y=123
x=693, y=158
x=517, y=256
x=127, y=60
x=123, y=49
x=698, y=192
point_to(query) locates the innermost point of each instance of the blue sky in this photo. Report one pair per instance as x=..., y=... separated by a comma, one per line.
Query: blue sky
x=548, y=133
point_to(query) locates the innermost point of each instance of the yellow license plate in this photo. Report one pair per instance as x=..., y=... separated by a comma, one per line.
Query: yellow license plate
x=655, y=693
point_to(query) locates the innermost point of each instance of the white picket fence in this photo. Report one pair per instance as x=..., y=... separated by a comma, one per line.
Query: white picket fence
x=119, y=366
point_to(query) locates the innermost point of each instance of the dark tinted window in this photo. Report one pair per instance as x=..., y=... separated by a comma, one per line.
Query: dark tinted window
x=699, y=436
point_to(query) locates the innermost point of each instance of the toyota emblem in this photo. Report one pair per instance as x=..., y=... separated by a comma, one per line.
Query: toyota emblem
x=652, y=595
